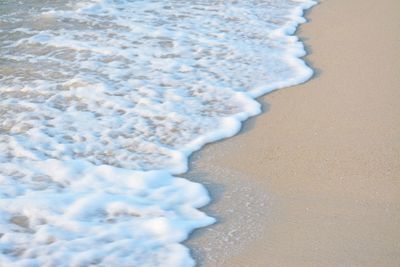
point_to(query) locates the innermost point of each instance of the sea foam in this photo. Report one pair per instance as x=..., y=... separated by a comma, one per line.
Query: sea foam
x=101, y=104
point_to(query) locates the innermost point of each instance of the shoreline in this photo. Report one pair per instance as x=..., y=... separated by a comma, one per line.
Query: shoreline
x=312, y=181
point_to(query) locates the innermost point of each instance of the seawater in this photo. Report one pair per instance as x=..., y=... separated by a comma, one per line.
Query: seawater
x=102, y=102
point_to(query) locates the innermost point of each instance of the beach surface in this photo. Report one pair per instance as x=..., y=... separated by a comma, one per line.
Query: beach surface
x=315, y=180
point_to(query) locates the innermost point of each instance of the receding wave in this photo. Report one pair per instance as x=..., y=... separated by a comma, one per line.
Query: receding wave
x=102, y=102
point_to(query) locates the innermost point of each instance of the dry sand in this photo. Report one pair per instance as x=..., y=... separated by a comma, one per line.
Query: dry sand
x=315, y=180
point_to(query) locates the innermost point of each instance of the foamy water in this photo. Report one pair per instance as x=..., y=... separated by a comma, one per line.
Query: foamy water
x=102, y=102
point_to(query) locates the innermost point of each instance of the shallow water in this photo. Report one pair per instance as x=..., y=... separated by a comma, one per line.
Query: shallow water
x=102, y=101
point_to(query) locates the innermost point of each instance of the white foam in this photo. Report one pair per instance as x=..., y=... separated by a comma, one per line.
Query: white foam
x=102, y=101
x=72, y=213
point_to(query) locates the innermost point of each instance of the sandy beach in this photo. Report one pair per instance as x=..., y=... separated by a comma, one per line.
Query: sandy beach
x=315, y=179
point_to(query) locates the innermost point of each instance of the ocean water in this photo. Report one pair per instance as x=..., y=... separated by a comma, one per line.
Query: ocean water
x=101, y=104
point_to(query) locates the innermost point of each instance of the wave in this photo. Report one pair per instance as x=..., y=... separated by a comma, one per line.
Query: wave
x=101, y=104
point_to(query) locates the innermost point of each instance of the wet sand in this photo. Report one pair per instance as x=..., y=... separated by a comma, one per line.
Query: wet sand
x=315, y=179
